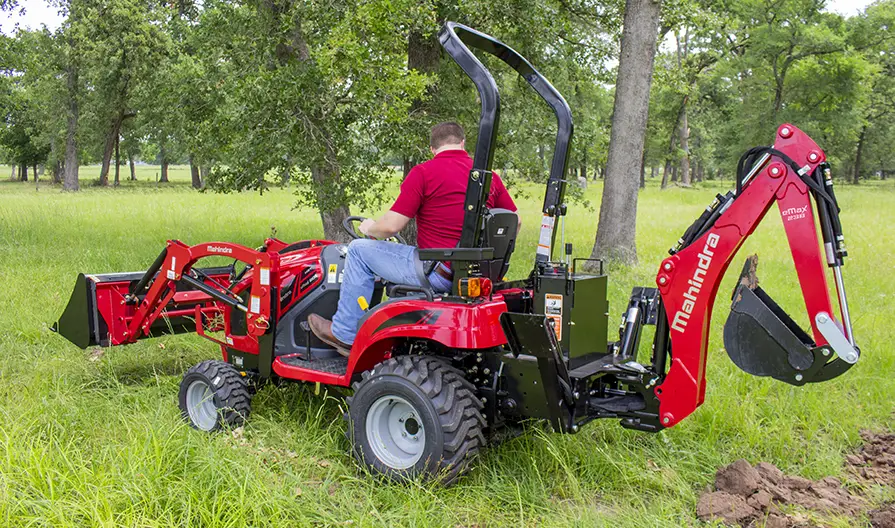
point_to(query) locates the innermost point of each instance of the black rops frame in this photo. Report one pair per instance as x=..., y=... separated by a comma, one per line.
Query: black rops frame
x=455, y=39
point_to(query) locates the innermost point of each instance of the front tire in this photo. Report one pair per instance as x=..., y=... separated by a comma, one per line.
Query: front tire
x=415, y=417
x=213, y=395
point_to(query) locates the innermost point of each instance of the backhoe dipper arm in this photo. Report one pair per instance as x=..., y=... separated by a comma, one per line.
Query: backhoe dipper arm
x=688, y=280
x=173, y=267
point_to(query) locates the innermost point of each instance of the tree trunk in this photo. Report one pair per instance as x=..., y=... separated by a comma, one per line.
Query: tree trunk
x=654, y=172
x=109, y=148
x=683, y=126
x=164, y=156
x=23, y=173
x=15, y=170
x=856, y=177
x=618, y=211
x=584, y=164
x=643, y=170
x=674, y=170
x=665, y=173
x=57, y=171
x=778, y=98
x=117, y=161
x=684, y=135
x=285, y=175
x=331, y=199
x=72, y=165
x=195, y=174
x=130, y=162
x=204, y=170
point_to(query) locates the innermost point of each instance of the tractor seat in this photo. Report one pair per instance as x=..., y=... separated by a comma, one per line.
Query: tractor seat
x=500, y=230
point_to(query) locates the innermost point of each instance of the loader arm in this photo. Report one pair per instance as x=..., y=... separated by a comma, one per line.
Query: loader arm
x=688, y=280
x=173, y=296
x=173, y=266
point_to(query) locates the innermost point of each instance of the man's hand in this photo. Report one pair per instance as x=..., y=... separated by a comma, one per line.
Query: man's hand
x=389, y=225
x=366, y=225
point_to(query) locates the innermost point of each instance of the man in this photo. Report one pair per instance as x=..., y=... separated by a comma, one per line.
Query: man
x=434, y=193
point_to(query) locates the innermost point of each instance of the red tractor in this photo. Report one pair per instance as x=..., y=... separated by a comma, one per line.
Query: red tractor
x=433, y=376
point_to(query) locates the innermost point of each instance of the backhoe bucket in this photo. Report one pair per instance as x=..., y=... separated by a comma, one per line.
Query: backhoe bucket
x=762, y=340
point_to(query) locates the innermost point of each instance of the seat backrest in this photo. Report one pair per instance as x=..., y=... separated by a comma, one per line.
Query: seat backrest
x=500, y=226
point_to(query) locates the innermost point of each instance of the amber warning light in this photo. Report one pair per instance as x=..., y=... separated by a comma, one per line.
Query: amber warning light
x=475, y=287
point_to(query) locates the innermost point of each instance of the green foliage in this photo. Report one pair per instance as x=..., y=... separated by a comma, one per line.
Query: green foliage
x=323, y=95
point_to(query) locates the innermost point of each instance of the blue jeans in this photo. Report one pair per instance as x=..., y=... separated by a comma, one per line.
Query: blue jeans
x=367, y=260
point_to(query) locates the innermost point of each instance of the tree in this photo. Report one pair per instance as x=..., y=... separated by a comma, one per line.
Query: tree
x=617, y=224
x=123, y=44
x=872, y=32
x=320, y=87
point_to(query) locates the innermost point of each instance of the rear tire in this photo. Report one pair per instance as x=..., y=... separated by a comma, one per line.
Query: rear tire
x=213, y=395
x=415, y=417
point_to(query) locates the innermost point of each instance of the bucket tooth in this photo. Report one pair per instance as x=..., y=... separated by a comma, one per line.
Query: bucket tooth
x=760, y=338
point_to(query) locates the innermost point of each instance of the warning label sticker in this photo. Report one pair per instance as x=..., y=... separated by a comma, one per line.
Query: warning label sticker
x=332, y=275
x=553, y=310
x=546, y=236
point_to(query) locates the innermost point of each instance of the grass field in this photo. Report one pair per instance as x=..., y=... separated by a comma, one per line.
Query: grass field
x=97, y=440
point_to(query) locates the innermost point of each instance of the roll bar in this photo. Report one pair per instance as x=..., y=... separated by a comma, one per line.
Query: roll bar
x=456, y=39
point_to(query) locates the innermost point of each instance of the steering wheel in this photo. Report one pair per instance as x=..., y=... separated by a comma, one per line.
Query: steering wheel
x=348, y=226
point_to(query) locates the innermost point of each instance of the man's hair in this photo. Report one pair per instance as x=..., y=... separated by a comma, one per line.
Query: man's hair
x=447, y=133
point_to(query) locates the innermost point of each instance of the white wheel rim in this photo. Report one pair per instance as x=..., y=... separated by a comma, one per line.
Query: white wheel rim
x=395, y=432
x=200, y=405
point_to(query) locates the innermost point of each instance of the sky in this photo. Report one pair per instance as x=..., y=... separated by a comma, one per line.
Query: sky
x=31, y=14
x=35, y=13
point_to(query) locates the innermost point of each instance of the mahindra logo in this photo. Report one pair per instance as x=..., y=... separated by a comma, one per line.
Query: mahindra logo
x=682, y=317
x=218, y=249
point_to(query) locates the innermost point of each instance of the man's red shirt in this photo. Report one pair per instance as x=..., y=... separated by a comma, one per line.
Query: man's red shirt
x=434, y=193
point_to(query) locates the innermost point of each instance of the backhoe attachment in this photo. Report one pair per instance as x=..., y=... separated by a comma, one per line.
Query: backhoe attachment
x=759, y=336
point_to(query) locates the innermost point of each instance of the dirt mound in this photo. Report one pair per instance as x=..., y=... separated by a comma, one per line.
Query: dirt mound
x=875, y=460
x=883, y=517
x=749, y=495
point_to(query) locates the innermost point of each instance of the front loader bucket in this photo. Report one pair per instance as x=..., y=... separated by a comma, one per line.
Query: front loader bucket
x=97, y=313
x=762, y=340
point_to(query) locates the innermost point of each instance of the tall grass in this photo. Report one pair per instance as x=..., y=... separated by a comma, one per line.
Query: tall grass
x=97, y=440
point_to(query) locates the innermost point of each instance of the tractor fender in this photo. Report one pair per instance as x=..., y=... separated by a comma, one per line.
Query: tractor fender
x=454, y=325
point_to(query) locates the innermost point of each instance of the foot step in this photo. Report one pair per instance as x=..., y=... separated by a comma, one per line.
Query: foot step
x=335, y=365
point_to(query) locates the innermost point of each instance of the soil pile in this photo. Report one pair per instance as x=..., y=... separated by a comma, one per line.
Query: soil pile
x=751, y=496
x=883, y=517
x=874, y=462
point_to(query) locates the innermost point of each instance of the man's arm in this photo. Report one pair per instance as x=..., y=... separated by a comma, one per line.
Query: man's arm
x=387, y=226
